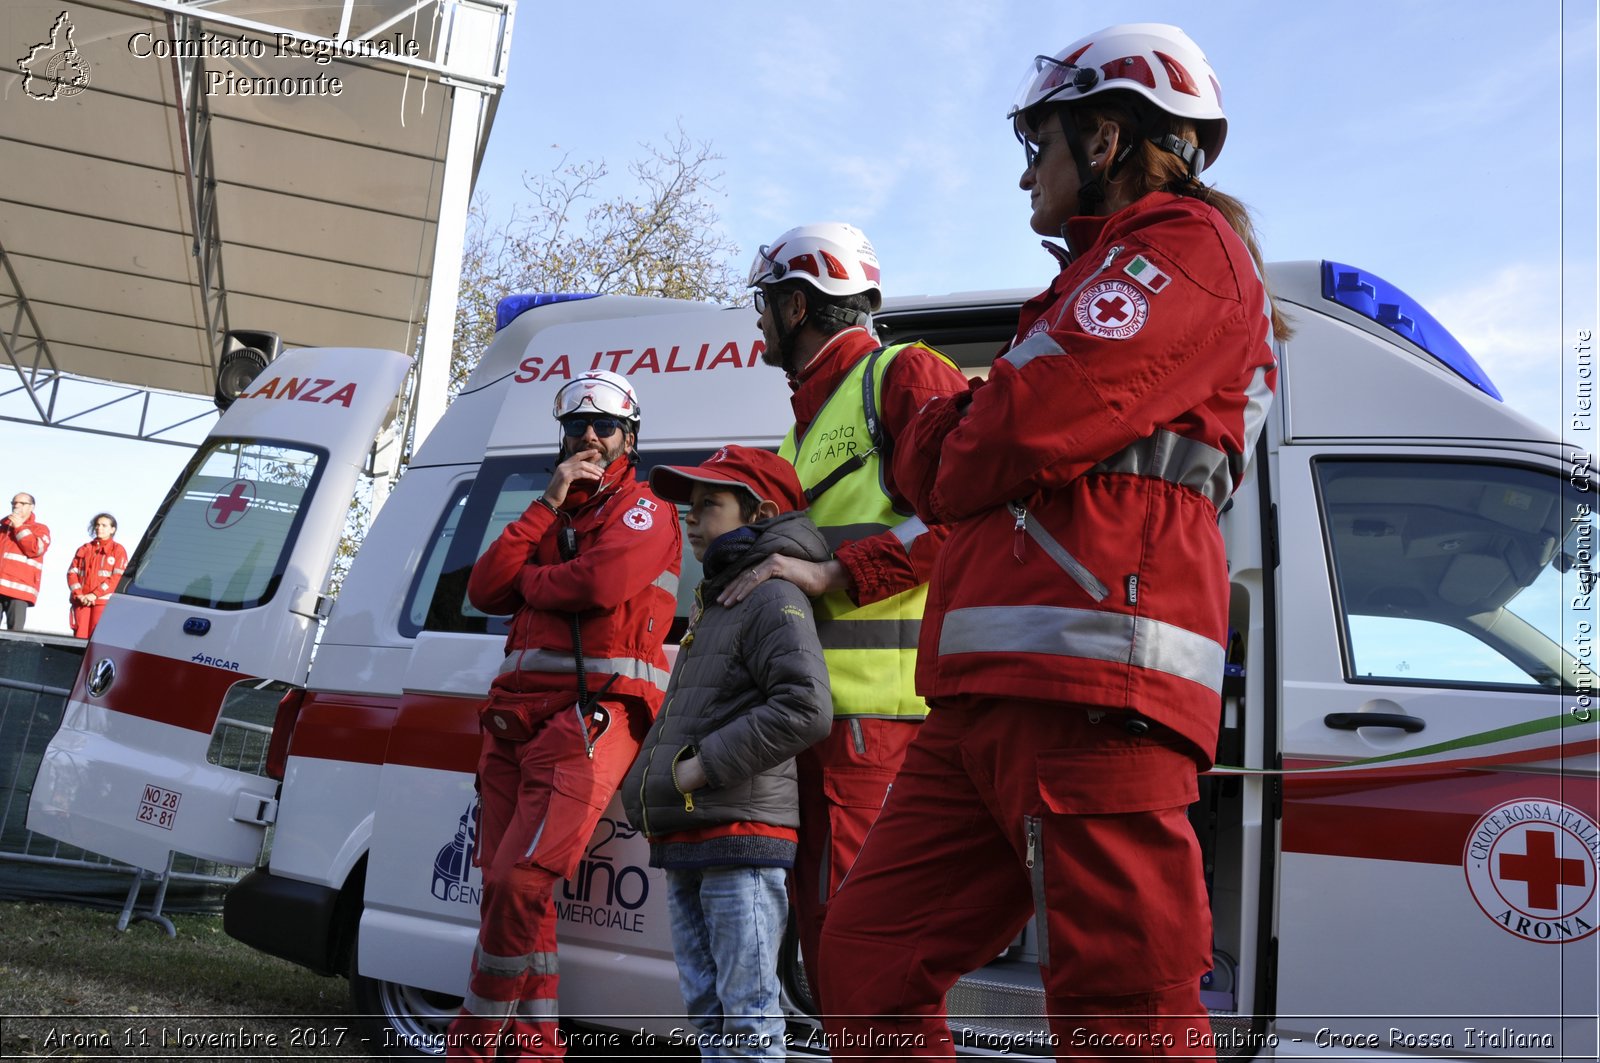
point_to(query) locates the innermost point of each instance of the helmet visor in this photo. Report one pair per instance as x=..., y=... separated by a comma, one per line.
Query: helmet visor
x=766, y=269
x=594, y=394
x=1048, y=78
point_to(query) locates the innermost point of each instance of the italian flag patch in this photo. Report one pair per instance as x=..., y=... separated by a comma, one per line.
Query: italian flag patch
x=1146, y=273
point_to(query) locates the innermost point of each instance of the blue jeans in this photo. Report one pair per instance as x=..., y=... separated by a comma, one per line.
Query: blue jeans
x=727, y=927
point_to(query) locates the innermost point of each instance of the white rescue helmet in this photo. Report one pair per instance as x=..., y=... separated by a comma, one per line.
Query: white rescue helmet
x=833, y=257
x=598, y=391
x=1152, y=60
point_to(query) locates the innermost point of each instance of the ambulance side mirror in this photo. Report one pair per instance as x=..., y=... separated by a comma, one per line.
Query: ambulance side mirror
x=244, y=354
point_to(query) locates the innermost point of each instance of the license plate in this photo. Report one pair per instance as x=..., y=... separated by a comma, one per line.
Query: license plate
x=159, y=807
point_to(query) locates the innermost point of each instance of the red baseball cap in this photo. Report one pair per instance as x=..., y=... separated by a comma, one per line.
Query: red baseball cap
x=767, y=476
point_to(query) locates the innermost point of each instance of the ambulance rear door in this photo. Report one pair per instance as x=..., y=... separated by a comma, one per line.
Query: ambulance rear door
x=165, y=730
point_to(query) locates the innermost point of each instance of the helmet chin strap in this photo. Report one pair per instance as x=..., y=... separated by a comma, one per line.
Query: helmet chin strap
x=1192, y=156
x=843, y=315
x=1091, y=183
x=787, y=337
x=786, y=342
x=1092, y=180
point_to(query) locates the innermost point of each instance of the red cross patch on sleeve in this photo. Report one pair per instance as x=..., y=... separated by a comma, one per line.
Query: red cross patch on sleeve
x=1114, y=309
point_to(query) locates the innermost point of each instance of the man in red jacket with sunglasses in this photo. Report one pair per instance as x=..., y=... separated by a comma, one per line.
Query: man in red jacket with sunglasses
x=594, y=563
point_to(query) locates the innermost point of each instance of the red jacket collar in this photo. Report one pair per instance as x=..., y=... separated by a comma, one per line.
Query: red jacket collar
x=582, y=497
x=1086, y=230
x=820, y=376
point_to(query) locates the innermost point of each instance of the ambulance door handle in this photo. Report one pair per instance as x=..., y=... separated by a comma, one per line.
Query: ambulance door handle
x=1349, y=721
x=255, y=809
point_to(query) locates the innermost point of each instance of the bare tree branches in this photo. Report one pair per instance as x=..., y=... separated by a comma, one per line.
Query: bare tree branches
x=662, y=238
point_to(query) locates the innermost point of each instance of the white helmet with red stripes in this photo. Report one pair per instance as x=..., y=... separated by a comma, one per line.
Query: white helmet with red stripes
x=1155, y=61
x=833, y=257
x=598, y=391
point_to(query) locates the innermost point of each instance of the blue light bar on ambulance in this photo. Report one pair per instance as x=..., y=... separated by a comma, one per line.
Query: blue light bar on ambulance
x=1373, y=297
x=514, y=306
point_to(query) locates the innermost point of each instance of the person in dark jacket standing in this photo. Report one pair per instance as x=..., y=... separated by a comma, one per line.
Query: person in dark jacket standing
x=1072, y=648
x=714, y=785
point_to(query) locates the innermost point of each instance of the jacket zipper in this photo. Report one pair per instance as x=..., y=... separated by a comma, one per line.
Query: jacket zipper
x=688, y=795
x=1034, y=861
x=1104, y=265
x=644, y=777
x=1077, y=570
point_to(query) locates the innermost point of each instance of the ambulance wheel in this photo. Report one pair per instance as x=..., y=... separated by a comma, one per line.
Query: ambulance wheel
x=399, y=1021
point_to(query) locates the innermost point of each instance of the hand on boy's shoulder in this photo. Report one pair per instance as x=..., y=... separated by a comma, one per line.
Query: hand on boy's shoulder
x=813, y=578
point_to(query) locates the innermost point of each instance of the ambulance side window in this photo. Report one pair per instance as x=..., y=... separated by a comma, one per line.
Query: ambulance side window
x=691, y=573
x=223, y=534
x=1458, y=574
x=504, y=488
x=424, y=586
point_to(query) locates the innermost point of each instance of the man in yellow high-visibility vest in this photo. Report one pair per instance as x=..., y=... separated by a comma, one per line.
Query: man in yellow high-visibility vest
x=815, y=288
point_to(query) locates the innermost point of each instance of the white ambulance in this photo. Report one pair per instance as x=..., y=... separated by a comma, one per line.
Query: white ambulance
x=1401, y=845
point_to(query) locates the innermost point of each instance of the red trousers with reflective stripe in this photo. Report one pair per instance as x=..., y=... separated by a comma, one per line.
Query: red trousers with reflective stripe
x=539, y=802
x=843, y=780
x=1006, y=813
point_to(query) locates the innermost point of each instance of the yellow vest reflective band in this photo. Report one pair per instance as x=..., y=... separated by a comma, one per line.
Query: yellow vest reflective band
x=871, y=650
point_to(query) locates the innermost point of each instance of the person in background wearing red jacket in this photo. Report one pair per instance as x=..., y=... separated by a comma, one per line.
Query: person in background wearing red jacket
x=815, y=288
x=1073, y=645
x=23, y=541
x=590, y=570
x=96, y=568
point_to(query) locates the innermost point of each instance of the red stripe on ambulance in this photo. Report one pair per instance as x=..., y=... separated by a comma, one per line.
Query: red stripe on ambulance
x=179, y=692
x=1418, y=820
x=436, y=731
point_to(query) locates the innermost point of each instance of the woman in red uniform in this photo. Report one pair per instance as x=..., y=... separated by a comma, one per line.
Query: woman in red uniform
x=96, y=568
x=1073, y=643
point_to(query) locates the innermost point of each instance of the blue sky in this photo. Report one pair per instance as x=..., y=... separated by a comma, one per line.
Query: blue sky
x=1449, y=147
x=1421, y=140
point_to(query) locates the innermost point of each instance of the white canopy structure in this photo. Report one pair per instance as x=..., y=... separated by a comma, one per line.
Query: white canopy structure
x=173, y=169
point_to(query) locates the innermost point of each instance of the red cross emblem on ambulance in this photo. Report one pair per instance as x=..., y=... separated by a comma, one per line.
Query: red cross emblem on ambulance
x=1531, y=867
x=1114, y=309
x=228, y=508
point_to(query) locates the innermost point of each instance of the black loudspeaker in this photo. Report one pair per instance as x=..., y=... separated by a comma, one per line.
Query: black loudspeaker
x=244, y=354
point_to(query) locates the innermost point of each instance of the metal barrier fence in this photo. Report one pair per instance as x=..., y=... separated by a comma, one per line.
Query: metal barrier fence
x=36, y=676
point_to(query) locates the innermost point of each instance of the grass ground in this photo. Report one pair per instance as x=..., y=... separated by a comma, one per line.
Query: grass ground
x=73, y=987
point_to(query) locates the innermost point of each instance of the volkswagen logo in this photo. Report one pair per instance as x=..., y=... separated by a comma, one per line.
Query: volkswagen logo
x=100, y=676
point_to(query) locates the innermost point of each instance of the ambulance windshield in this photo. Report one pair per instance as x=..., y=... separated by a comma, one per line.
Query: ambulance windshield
x=223, y=534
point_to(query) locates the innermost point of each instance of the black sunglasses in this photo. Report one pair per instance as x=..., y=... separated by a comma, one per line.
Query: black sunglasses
x=604, y=427
x=759, y=297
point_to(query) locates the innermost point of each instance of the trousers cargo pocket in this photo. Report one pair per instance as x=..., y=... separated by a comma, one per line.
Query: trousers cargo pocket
x=855, y=795
x=1117, y=777
x=576, y=801
x=1119, y=898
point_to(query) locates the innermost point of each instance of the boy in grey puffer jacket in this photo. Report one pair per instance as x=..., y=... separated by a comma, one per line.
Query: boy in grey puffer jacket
x=714, y=786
